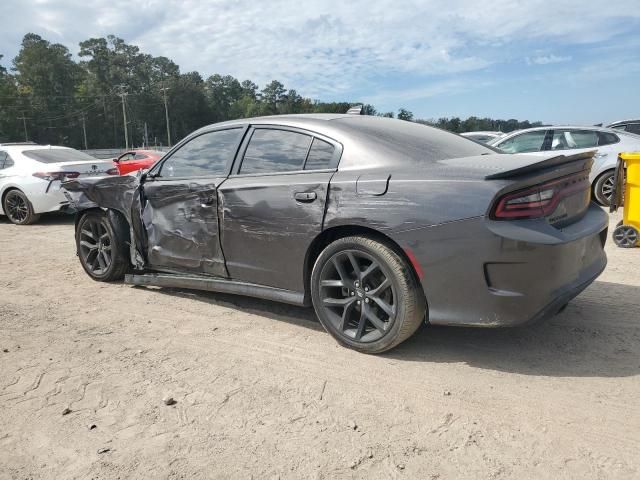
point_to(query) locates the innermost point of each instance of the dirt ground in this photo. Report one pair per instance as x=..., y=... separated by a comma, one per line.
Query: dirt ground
x=263, y=392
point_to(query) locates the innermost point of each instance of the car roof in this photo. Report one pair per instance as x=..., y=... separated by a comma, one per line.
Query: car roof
x=563, y=127
x=381, y=141
x=622, y=122
x=26, y=146
x=482, y=132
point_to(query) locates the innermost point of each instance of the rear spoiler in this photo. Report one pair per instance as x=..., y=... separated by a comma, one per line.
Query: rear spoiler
x=355, y=110
x=587, y=157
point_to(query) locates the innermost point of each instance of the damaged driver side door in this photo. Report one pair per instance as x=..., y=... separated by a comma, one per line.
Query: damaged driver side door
x=180, y=212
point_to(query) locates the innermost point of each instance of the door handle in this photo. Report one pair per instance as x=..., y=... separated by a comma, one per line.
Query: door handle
x=305, y=197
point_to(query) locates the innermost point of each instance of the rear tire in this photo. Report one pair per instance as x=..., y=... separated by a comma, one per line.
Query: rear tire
x=603, y=188
x=18, y=208
x=365, y=294
x=102, y=250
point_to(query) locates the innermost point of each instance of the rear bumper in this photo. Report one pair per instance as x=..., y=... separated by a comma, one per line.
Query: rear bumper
x=44, y=196
x=491, y=274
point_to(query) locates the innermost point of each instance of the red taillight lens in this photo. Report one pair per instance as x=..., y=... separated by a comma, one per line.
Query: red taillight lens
x=112, y=171
x=51, y=176
x=540, y=200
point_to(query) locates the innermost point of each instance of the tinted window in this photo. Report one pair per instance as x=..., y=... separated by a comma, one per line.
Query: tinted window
x=605, y=138
x=55, y=155
x=275, y=151
x=634, y=128
x=571, y=139
x=3, y=155
x=205, y=155
x=525, y=142
x=321, y=155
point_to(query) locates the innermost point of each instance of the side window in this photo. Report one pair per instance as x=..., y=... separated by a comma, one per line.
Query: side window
x=634, y=128
x=126, y=157
x=525, y=142
x=606, y=138
x=205, y=155
x=5, y=161
x=321, y=155
x=139, y=156
x=272, y=151
x=571, y=139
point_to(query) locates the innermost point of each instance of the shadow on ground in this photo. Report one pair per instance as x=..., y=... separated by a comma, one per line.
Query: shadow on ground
x=45, y=219
x=598, y=335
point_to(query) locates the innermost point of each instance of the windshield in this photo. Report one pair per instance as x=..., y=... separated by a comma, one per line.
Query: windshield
x=57, y=155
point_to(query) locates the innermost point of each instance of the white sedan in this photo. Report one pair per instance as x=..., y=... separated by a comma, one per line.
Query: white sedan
x=30, y=178
x=570, y=140
x=483, y=137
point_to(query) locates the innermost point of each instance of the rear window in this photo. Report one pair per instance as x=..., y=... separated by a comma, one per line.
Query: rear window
x=399, y=141
x=56, y=155
x=606, y=138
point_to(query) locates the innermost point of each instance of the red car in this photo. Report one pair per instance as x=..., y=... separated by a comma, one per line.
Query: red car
x=134, y=160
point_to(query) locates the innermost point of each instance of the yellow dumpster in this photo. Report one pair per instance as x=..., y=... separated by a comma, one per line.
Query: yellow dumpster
x=627, y=194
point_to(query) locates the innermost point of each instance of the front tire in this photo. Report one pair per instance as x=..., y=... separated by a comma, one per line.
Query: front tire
x=603, y=188
x=102, y=252
x=18, y=208
x=366, y=295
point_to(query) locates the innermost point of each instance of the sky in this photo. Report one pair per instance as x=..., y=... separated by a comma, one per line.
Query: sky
x=561, y=61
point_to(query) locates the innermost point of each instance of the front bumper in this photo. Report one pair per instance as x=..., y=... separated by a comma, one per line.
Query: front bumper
x=491, y=274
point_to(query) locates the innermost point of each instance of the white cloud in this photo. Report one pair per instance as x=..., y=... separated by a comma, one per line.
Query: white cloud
x=547, y=59
x=324, y=47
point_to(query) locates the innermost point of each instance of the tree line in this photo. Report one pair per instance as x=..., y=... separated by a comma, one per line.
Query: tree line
x=48, y=97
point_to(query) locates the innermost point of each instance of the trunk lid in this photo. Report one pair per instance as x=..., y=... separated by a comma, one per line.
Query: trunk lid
x=95, y=168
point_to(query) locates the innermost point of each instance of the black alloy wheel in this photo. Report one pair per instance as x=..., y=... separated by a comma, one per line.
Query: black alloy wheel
x=101, y=250
x=18, y=209
x=366, y=295
x=358, y=296
x=95, y=246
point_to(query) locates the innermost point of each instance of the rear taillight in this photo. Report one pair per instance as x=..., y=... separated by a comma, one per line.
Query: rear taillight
x=539, y=200
x=51, y=176
x=112, y=171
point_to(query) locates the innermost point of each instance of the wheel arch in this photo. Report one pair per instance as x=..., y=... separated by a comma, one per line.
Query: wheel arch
x=330, y=235
x=5, y=193
x=118, y=220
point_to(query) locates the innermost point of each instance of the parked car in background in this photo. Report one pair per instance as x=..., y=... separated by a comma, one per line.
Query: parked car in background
x=377, y=222
x=540, y=141
x=30, y=178
x=631, y=126
x=483, y=137
x=134, y=160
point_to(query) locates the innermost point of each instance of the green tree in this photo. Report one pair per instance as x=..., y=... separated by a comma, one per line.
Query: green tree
x=404, y=114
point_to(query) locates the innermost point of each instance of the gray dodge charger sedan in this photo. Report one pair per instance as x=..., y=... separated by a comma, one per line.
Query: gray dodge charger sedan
x=381, y=224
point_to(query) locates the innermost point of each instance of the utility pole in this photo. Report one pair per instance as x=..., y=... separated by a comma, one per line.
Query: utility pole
x=24, y=124
x=84, y=133
x=122, y=95
x=166, y=114
x=146, y=136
